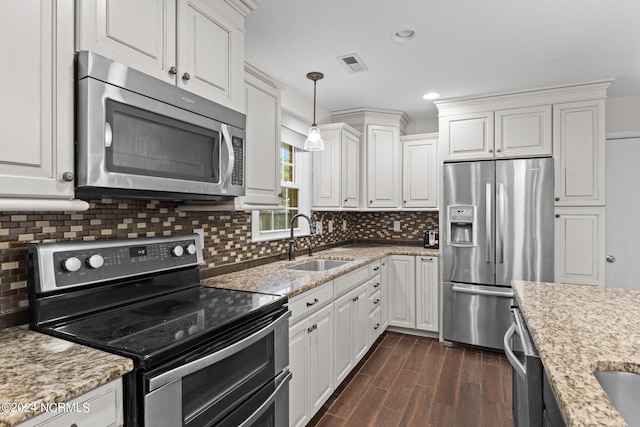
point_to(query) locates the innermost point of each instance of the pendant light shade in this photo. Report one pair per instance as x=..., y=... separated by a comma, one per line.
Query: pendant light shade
x=314, y=140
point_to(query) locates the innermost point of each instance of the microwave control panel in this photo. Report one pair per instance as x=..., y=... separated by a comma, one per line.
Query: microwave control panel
x=238, y=153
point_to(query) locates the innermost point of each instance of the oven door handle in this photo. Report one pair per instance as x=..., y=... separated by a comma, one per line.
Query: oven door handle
x=199, y=364
x=517, y=365
x=267, y=403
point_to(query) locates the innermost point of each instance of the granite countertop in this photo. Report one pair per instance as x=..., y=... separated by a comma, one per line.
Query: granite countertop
x=37, y=368
x=578, y=329
x=275, y=278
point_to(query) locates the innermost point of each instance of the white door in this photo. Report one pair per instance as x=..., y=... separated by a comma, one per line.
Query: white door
x=623, y=205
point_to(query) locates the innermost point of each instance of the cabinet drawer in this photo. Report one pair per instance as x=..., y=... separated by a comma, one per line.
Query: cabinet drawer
x=375, y=283
x=310, y=301
x=375, y=300
x=374, y=268
x=350, y=280
x=375, y=325
x=100, y=407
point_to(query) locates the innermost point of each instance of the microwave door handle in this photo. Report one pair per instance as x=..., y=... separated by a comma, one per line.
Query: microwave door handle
x=267, y=403
x=226, y=178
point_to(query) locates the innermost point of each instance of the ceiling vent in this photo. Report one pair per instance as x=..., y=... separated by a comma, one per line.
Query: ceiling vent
x=353, y=63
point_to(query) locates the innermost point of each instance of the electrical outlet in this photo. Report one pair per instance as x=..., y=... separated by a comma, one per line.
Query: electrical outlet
x=330, y=226
x=200, y=232
x=396, y=225
x=318, y=227
x=344, y=225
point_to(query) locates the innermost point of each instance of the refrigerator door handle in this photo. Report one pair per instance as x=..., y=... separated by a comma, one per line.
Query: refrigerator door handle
x=488, y=225
x=506, y=293
x=500, y=225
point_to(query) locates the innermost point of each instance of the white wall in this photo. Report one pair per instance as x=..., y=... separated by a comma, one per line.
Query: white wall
x=429, y=125
x=298, y=106
x=623, y=114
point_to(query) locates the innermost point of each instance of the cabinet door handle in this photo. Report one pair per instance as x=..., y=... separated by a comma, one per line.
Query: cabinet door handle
x=345, y=200
x=376, y=285
x=186, y=76
x=376, y=268
x=173, y=71
x=557, y=215
x=498, y=150
x=557, y=199
x=315, y=301
x=491, y=150
x=68, y=176
x=312, y=328
x=377, y=326
x=355, y=299
x=377, y=301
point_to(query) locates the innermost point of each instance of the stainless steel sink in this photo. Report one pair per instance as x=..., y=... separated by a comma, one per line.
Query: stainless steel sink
x=319, y=265
x=623, y=389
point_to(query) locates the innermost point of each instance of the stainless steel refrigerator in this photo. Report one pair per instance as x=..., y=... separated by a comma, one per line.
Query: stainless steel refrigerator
x=499, y=225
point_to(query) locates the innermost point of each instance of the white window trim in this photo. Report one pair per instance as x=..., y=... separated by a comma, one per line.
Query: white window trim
x=303, y=178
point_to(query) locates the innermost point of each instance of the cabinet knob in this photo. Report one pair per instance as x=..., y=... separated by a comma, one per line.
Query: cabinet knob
x=186, y=76
x=491, y=150
x=173, y=71
x=315, y=301
x=404, y=201
x=557, y=199
x=345, y=200
x=376, y=301
x=557, y=215
x=370, y=201
x=498, y=150
x=356, y=298
x=377, y=326
x=68, y=176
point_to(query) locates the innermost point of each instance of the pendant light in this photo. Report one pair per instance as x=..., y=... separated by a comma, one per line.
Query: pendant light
x=314, y=141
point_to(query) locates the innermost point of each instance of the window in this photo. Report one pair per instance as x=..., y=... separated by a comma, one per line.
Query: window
x=295, y=193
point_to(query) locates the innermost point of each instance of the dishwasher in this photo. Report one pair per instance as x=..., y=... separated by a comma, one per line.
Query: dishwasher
x=527, y=373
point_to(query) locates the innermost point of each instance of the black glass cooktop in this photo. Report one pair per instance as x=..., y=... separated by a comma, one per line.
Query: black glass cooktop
x=176, y=320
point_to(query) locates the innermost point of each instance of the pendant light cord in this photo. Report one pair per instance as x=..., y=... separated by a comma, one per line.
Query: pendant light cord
x=314, y=103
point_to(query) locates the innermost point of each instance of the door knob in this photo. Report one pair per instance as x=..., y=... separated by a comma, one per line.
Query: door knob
x=611, y=258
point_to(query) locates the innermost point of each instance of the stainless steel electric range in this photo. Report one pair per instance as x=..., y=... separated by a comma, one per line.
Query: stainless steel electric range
x=202, y=356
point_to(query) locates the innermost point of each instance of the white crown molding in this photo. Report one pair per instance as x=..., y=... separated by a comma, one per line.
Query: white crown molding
x=243, y=7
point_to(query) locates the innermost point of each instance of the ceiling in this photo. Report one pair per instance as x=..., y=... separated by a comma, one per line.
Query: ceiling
x=462, y=47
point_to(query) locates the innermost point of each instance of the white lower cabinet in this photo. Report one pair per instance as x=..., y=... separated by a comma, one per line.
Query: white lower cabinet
x=331, y=329
x=311, y=363
x=402, y=291
x=413, y=292
x=579, y=245
x=427, y=293
x=351, y=326
x=100, y=407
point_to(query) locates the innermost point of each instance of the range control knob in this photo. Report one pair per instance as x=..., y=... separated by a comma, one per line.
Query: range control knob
x=191, y=249
x=177, y=251
x=71, y=264
x=95, y=261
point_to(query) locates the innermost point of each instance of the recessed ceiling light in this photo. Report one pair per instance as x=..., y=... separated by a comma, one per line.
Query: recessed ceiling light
x=404, y=35
x=431, y=95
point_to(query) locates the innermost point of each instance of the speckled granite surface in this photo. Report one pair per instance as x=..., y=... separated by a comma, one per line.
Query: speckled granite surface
x=36, y=368
x=578, y=329
x=275, y=278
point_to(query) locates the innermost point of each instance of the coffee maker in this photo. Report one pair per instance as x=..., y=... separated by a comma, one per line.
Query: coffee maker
x=431, y=239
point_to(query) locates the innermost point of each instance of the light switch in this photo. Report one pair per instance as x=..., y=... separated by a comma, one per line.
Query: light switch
x=330, y=226
x=344, y=225
x=318, y=227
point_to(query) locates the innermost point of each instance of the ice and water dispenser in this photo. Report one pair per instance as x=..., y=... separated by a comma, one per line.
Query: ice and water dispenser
x=462, y=225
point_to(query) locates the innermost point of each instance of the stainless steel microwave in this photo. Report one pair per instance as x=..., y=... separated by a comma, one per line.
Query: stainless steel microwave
x=140, y=137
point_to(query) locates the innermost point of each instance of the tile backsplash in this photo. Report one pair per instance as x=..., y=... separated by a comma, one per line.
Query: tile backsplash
x=228, y=245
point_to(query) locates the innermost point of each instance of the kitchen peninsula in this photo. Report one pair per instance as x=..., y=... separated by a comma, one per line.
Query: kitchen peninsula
x=579, y=329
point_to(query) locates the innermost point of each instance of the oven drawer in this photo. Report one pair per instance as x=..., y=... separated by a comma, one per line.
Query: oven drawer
x=310, y=301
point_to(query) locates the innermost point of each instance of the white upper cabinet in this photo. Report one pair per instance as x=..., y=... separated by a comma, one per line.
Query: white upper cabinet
x=523, y=132
x=335, y=169
x=579, y=151
x=384, y=179
x=36, y=149
x=419, y=171
x=262, y=100
x=508, y=133
x=467, y=136
x=184, y=42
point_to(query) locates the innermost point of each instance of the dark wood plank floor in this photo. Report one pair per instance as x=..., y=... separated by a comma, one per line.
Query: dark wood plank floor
x=414, y=381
